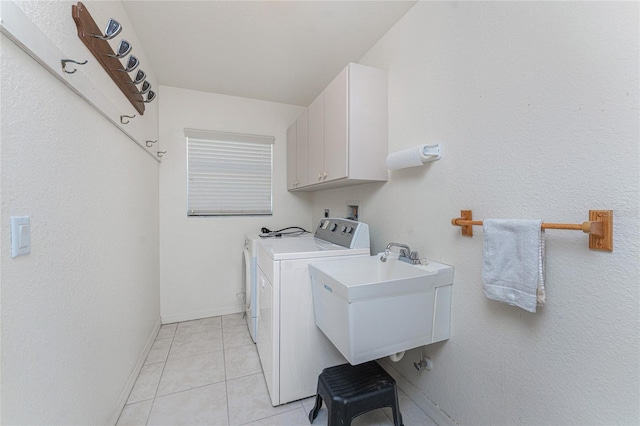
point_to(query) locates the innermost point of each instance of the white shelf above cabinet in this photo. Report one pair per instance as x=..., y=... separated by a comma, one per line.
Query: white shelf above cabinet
x=347, y=132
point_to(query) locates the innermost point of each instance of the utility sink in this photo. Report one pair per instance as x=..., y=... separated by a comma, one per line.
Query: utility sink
x=370, y=309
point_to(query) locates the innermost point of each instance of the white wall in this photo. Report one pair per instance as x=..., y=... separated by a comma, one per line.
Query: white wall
x=201, y=257
x=536, y=104
x=78, y=311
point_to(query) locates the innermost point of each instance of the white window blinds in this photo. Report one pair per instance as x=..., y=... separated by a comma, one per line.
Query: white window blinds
x=228, y=173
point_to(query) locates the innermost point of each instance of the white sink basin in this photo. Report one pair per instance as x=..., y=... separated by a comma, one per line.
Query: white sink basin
x=370, y=309
x=369, y=277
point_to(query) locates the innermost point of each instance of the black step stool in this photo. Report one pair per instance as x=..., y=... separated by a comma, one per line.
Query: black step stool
x=349, y=391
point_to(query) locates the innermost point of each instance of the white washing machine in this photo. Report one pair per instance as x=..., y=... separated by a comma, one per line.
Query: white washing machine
x=292, y=349
x=250, y=256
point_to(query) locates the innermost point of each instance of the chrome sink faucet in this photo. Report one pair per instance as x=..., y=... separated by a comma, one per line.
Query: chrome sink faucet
x=406, y=255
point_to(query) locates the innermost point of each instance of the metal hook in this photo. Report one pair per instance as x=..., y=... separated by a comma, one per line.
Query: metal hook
x=161, y=153
x=149, y=143
x=151, y=95
x=127, y=116
x=146, y=86
x=64, y=63
x=132, y=64
x=112, y=30
x=123, y=50
x=140, y=76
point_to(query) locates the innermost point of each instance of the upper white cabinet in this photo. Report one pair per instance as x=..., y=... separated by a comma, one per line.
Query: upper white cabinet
x=298, y=152
x=292, y=169
x=336, y=127
x=347, y=132
x=316, y=140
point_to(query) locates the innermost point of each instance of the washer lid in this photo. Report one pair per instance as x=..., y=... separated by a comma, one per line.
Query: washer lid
x=251, y=240
x=304, y=248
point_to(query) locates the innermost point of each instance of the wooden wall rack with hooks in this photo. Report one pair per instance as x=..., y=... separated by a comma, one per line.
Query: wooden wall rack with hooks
x=101, y=50
x=599, y=227
x=24, y=33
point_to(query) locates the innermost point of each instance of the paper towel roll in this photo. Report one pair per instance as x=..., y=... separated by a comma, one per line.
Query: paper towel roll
x=413, y=157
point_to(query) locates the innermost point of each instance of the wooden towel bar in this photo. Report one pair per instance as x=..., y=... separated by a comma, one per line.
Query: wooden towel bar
x=599, y=227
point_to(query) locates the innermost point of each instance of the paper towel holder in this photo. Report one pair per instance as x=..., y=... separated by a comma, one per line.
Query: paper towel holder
x=431, y=152
x=413, y=157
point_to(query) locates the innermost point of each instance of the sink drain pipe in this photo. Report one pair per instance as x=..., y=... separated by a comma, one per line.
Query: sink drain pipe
x=396, y=357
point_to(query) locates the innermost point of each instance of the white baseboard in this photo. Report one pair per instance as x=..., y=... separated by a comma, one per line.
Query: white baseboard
x=169, y=319
x=421, y=400
x=124, y=395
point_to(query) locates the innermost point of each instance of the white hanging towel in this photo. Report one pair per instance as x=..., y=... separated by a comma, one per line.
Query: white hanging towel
x=513, y=262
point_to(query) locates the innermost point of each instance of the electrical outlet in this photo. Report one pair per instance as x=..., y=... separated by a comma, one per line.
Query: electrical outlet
x=326, y=212
x=352, y=210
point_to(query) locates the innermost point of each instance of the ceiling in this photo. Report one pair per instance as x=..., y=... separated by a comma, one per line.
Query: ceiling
x=279, y=51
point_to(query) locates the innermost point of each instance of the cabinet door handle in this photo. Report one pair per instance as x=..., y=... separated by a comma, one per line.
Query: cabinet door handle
x=324, y=175
x=319, y=176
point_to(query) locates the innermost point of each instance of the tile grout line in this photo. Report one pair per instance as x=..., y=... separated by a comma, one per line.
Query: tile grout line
x=131, y=391
x=155, y=393
x=226, y=386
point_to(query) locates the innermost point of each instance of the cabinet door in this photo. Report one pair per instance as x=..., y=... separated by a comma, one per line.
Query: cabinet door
x=336, y=128
x=302, y=149
x=316, y=140
x=292, y=154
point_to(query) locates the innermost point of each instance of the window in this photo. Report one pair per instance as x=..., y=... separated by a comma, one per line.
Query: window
x=228, y=173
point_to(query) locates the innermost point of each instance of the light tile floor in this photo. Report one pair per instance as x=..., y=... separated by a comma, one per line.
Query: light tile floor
x=207, y=372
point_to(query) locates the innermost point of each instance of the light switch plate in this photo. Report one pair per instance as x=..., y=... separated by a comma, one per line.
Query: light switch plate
x=20, y=235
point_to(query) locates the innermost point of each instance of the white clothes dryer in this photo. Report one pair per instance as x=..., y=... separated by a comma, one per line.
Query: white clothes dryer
x=250, y=260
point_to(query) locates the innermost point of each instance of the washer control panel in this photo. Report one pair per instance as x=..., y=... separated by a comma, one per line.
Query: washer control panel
x=343, y=232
